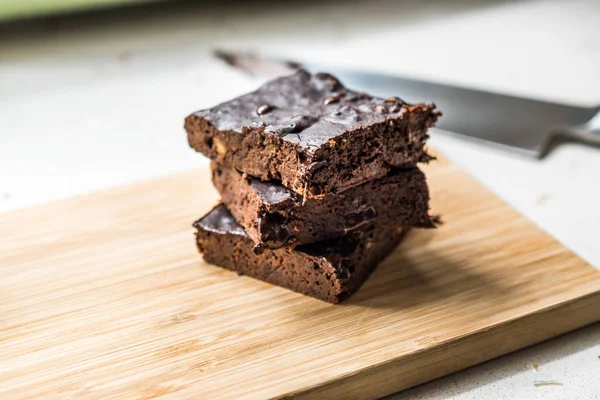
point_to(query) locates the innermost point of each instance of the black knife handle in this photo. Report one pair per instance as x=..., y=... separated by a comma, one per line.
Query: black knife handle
x=587, y=133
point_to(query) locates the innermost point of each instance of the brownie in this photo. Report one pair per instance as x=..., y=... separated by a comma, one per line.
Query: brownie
x=312, y=134
x=330, y=271
x=274, y=216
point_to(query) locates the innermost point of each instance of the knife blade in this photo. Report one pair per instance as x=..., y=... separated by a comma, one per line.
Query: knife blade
x=526, y=125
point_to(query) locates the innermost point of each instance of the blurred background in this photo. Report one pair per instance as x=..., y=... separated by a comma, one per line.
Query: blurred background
x=93, y=94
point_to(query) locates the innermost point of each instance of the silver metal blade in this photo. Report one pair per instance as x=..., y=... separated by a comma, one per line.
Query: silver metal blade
x=511, y=121
x=524, y=124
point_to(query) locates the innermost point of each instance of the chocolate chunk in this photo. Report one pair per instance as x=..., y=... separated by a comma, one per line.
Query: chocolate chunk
x=331, y=100
x=263, y=109
x=395, y=108
x=330, y=271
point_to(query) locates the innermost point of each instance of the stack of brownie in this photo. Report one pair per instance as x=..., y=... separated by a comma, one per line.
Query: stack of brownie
x=318, y=183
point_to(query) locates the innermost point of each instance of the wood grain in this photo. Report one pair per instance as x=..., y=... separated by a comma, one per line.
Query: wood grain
x=105, y=297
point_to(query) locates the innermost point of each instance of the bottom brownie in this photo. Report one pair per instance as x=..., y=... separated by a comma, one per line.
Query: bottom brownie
x=330, y=271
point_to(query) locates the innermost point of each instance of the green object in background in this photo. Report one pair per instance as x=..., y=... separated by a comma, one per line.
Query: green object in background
x=14, y=9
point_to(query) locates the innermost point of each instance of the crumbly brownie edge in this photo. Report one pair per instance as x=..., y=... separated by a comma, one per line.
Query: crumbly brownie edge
x=253, y=151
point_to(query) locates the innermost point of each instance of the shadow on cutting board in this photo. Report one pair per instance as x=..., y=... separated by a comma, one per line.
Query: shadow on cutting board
x=403, y=281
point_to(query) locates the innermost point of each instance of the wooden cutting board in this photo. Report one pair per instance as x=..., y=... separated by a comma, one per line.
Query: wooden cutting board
x=104, y=296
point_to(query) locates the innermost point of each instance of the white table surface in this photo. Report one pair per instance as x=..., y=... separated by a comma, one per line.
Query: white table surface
x=91, y=103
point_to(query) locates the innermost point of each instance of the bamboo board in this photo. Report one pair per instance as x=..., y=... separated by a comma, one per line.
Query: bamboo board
x=105, y=297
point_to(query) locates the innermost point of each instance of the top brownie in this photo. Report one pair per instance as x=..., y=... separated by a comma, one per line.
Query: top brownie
x=312, y=134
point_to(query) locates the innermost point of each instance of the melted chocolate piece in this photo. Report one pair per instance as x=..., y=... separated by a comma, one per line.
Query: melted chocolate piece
x=220, y=221
x=264, y=108
x=273, y=230
x=380, y=109
x=331, y=100
x=395, y=108
x=294, y=124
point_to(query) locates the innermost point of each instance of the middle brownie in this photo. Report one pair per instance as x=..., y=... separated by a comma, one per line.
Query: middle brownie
x=274, y=216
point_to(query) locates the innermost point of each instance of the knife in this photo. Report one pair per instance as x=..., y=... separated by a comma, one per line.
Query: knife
x=527, y=125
